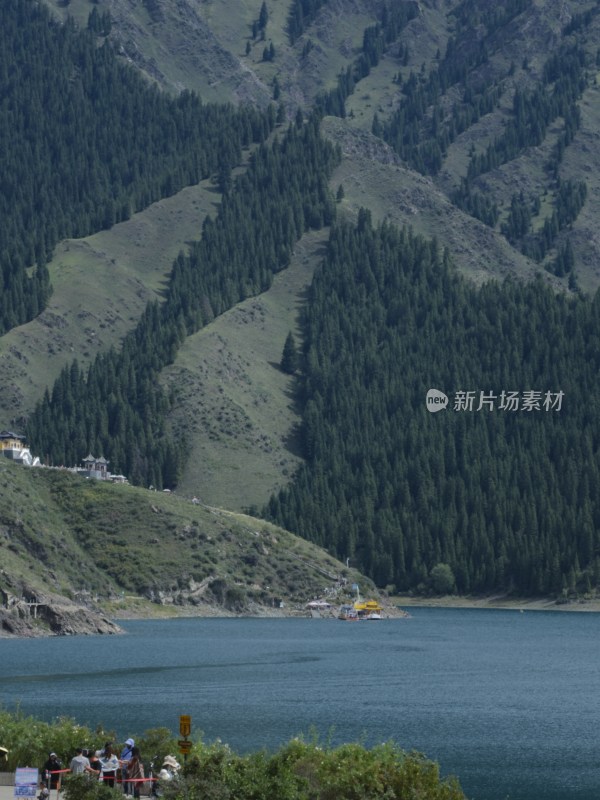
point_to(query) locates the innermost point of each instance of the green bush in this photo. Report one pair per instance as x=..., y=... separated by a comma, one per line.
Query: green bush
x=235, y=598
x=298, y=771
x=155, y=744
x=301, y=771
x=354, y=772
x=86, y=787
x=29, y=741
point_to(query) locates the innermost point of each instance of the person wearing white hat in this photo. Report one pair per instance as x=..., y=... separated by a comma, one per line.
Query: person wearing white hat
x=169, y=768
x=51, y=771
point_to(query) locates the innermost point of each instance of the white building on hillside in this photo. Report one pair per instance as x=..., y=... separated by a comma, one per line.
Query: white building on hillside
x=13, y=446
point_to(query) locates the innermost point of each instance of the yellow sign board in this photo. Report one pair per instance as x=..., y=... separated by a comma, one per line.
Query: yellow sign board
x=184, y=746
x=185, y=725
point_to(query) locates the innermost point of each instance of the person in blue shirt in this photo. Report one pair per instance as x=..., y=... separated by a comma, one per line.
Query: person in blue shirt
x=125, y=759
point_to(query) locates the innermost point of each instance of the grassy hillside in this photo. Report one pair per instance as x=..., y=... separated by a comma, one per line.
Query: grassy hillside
x=123, y=548
x=101, y=284
x=373, y=177
x=174, y=45
x=516, y=56
x=233, y=403
x=202, y=45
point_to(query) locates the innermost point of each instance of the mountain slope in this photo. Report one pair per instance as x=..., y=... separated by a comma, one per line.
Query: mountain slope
x=517, y=38
x=127, y=550
x=101, y=285
x=446, y=169
x=232, y=402
x=501, y=488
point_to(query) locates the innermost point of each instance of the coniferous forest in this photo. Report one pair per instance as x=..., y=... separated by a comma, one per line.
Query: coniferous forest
x=500, y=489
x=505, y=493
x=85, y=142
x=117, y=406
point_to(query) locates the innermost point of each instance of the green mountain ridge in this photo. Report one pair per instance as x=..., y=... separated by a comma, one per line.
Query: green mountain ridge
x=452, y=91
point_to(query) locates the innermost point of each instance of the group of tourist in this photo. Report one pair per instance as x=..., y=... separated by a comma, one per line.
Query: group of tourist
x=105, y=765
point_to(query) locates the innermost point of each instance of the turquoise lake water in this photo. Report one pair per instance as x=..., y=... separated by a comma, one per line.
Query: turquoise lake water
x=507, y=701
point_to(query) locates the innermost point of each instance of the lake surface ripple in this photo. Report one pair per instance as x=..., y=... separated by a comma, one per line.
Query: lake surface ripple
x=506, y=701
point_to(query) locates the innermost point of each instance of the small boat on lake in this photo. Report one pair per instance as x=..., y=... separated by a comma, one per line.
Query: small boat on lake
x=348, y=613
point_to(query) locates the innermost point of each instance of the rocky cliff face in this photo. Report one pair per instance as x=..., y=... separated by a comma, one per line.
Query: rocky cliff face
x=28, y=612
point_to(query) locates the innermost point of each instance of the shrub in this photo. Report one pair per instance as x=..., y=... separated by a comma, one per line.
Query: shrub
x=235, y=598
x=298, y=771
x=301, y=771
x=356, y=773
x=29, y=740
x=86, y=787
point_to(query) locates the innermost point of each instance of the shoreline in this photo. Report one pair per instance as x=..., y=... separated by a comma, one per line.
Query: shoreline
x=391, y=604
x=394, y=606
x=503, y=602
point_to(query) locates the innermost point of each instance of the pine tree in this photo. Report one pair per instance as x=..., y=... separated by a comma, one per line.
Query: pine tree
x=289, y=358
x=263, y=17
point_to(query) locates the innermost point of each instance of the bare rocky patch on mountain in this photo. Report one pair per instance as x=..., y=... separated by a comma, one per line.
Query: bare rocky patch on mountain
x=27, y=612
